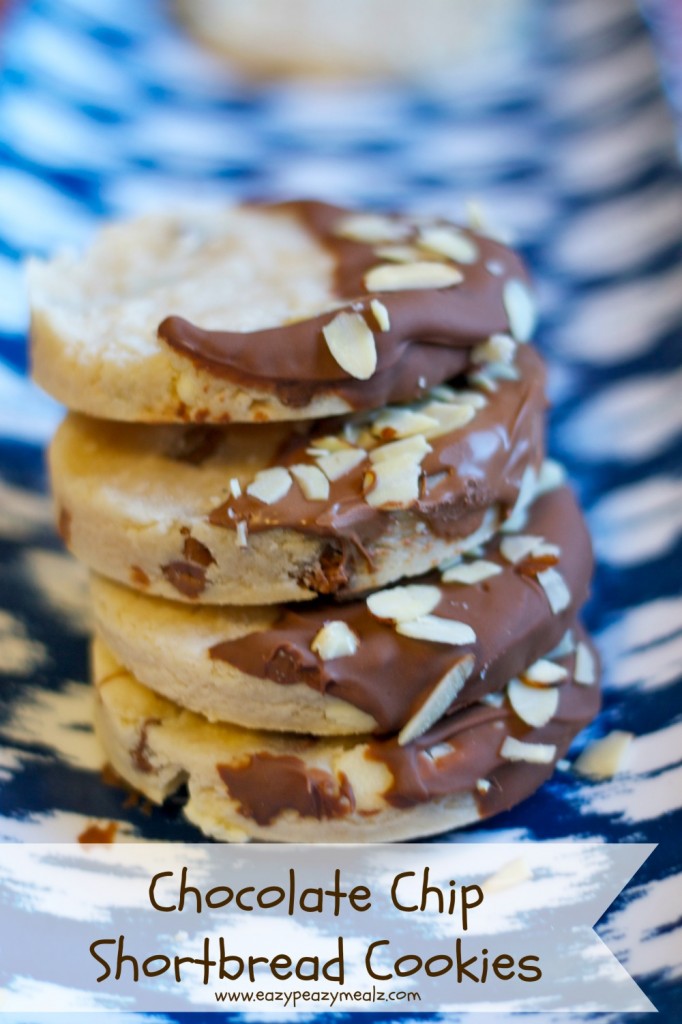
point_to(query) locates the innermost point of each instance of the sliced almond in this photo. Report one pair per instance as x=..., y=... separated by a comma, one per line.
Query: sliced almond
x=331, y=443
x=235, y=488
x=509, y=875
x=398, y=253
x=520, y=308
x=242, y=534
x=312, y=481
x=493, y=700
x=415, y=447
x=401, y=603
x=448, y=241
x=371, y=228
x=270, y=485
x=483, y=785
x=400, y=277
x=437, y=630
x=555, y=588
x=352, y=344
x=401, y=423
x=439, y=751
x=393, y=483
x=499, y=348
x=447, y=416
x=533, y=705
x=471, y=572
x=552, y=475
x=585, y=669
x=565, y=646
x=334, y=465
x=534, y=753
x=526, y=495
x=519, y=546
x=380, y=314
x=545, y=673
x=484, y=381
x=335, y=640
x=604, y=758
x=438, y=701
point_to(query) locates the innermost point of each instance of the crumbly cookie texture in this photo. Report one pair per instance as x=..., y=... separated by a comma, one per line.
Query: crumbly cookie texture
x=278, y=512
x=255, y=785
x=283, y=312
x=323, y=669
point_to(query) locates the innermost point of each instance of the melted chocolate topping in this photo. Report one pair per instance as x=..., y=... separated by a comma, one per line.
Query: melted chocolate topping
x=452, y=758
x=430, y=335
x=468, y=470
x=391, y=675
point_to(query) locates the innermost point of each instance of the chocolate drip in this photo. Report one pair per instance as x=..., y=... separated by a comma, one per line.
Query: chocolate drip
x=390, y=674
x=468, y=470
x=431, y=330
x=268, y=784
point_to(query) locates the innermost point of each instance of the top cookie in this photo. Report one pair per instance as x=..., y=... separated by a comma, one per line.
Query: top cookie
x=283, y=312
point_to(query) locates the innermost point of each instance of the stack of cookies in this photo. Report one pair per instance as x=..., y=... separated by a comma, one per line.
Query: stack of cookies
x=335, y=582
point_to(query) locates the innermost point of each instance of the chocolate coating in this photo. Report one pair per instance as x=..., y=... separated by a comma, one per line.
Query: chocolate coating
x=391, y=675
x=431, y=330
x=469, y=470
x=266, y=785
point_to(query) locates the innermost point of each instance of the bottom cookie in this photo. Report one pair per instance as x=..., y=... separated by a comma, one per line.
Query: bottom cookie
x=245, y=784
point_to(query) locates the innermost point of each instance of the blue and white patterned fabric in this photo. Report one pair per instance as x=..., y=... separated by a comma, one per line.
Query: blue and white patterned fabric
x=107, y=109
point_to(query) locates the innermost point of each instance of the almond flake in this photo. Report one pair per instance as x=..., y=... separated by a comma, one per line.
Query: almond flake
x=402, y=603
x=493, y=700
x=242, y=534
x=334, y=640
x=235, y=488
x=471, y=572
x=533, y=705
x=585, y=670
x=502, y=371
x=312, y=481
x=499, y=348
x=605, y=757
x=449, y=242
x=331, y=443
x=415, y=447
x=448, y=417
x=483, y=381
x=352, y=345
x=552, y=475
x=520, y=308
x=534, y=753
x=554, y=586
x=380, y=314
x=393, y=483
x=334, y=465
x=401, y=423
x=438, y=701
x=483, y=785
x=565, y=646
x=518, y=547
x=371, y=228
x=270, y=485
x=407, y=276
x=398, y=253
x=545, y=673
x=526, y=495
x=508, y=876
x=439, y=751
x=437, y=630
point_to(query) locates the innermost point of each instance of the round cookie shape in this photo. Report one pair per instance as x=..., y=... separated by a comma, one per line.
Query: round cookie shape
x=257, y=785
x=291, y=311
x=278, y=512
x=293, y=669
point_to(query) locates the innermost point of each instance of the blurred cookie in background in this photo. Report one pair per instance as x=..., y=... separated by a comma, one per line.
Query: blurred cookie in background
x=356, y=38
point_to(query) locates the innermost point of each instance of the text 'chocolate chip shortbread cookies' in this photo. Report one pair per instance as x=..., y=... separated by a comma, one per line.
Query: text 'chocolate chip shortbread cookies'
x=340, y=411
x=290, y=311
x=250, y=514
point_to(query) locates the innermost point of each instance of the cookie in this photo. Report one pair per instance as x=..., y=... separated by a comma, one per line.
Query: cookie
x=256, y=785
x=292, y=311
x=360, y=38
x=261, y=514
x=329, y=669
